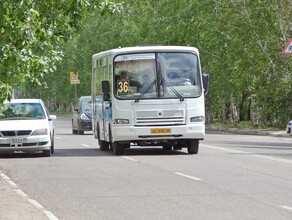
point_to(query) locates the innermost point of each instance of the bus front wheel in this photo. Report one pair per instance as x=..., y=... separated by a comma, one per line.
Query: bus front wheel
x=118, y=148
x=193, y=146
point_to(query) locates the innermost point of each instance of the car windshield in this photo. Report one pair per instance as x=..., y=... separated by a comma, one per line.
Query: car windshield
x=22, y=111
x=86, y=105
x=157, y=75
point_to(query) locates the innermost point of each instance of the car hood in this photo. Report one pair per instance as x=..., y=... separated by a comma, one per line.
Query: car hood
x=23, y=124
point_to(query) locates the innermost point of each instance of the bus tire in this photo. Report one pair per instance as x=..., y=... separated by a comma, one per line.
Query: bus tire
x=118, y=149
x=104, y=146
x=110, y=138
x=193, y=146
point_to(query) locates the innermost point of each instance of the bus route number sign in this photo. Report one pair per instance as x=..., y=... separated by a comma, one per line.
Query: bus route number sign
x=123, y=87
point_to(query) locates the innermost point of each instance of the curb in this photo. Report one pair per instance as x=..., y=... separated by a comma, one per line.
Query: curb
x=248, y=131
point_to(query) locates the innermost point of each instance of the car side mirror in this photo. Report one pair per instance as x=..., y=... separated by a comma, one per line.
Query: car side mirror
x=52, y=117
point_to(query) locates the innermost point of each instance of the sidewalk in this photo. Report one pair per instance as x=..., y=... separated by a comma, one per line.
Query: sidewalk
x=14, y=205
x=262, y=132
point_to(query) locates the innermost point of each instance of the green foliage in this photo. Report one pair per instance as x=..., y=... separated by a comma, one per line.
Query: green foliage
x=240, y=44
x=31, y=34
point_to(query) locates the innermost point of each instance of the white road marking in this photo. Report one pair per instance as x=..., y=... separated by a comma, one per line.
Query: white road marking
x=187, y=176
x=273, y=158
x=85, y=145
x=250, y=154
x=26, y=197
x=129, y=158
x=21, y=193
x=224, y=149
x=8, y=180
x=286, y=207
x=35, y=203
x=58, y=138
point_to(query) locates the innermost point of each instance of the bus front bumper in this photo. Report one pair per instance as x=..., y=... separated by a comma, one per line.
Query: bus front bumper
x=131, y=133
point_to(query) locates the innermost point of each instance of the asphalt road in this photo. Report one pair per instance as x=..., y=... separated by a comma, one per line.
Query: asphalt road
x=233, y=177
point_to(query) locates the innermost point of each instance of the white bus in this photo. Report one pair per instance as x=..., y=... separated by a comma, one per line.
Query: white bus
x=151, y=96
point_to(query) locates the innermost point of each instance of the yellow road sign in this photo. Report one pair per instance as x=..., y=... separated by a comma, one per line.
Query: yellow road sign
x=74, y=78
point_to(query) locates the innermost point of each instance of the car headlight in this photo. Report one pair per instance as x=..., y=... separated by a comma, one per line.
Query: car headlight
x=43, y=131
x=84, y=117
x=121, y=121
x=198, y=119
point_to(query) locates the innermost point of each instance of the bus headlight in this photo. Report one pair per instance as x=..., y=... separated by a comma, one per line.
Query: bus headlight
x=121, y=121
x=198, y=119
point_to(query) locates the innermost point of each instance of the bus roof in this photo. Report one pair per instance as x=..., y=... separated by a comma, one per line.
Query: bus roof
x=140, y=49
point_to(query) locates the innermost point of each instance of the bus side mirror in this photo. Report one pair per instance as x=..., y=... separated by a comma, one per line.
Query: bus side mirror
x=106, y=97
x=205, y=82
x=105, y=88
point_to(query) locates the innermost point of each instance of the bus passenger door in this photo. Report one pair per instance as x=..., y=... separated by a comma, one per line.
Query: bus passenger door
x=106, y=110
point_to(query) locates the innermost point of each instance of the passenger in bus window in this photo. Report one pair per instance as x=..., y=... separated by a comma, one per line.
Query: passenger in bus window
x=124, y=76
x=125, y=81
x=183, y=79
x=146, y=84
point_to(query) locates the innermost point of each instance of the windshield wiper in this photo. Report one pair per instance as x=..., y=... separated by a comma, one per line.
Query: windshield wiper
x=173, y=89
x=147, y=90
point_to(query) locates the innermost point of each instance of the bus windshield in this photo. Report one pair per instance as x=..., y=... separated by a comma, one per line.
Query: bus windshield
x=157, y=75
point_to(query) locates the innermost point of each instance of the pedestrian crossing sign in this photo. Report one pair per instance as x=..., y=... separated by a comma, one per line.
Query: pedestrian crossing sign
x=288, y=48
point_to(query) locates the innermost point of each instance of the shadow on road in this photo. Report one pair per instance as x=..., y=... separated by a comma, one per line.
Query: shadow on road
x=95, y=152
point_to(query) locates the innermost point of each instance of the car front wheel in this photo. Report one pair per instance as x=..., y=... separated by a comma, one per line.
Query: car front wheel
x=47, y=153
x=52, y=144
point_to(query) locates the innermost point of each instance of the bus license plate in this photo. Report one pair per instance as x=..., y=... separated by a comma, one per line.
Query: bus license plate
x=161, y=131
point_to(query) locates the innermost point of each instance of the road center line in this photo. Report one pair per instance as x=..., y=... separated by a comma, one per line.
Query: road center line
x=25, y=196
x=287, y=208
x=187, y=176
x=250, y=154
x=129, y=158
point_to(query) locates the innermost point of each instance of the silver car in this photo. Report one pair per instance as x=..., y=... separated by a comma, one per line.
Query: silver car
x=26, y=126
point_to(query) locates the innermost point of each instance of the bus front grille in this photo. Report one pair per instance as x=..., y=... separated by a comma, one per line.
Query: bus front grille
x=160, y=117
